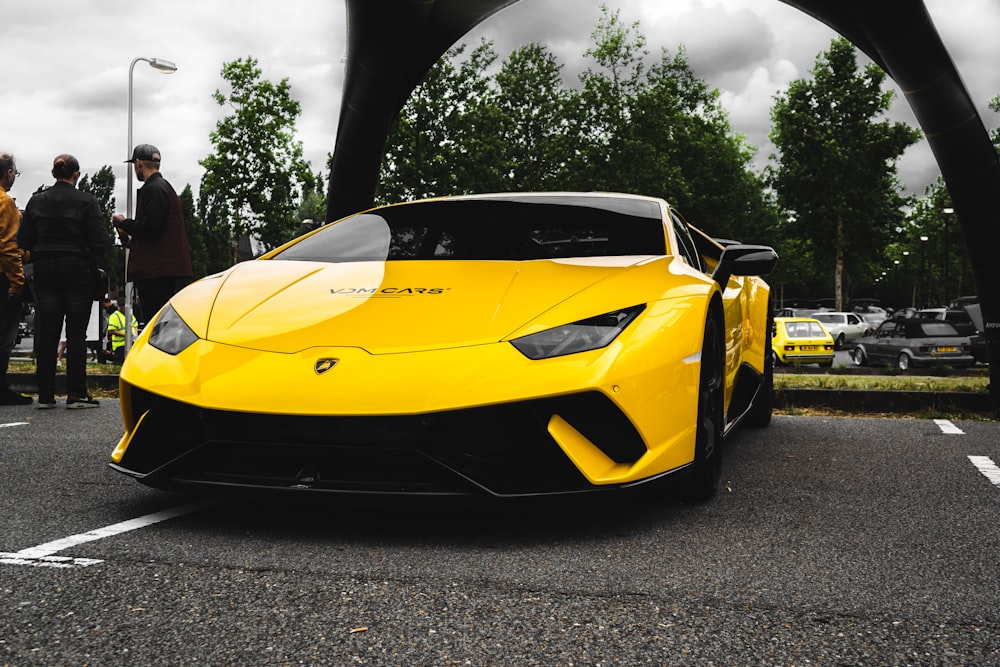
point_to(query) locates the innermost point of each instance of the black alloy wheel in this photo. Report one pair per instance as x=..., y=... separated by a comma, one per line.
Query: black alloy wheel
x=706, y=470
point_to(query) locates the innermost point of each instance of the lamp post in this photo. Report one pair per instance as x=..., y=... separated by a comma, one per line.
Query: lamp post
x=948, y=212
x=923, y=270
x=166, y=67
x=906, y=279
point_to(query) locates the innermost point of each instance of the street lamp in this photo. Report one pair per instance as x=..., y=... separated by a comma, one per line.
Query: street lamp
x=923, y=269
x=166, y=67
x=906, y=278
x=948, y=212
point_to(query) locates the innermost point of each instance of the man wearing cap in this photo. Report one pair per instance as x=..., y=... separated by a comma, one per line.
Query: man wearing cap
x=159, y=260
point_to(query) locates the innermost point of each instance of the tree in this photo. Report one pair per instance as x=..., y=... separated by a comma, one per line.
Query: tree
x=102, y=186
x=655, y=130
x=531, y=114
x=662, y=131
x=440, y=143
x=601, y=112
x=218, y=235
x=995, y=133
x=196, y=233
x=837, y=169
x=256, y=174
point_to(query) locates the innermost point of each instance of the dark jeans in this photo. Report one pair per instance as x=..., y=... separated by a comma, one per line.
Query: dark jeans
x=154, y=294
x=63, y=290
x=10, y=315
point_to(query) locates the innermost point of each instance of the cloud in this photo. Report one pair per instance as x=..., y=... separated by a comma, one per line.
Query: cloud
x=66, y=88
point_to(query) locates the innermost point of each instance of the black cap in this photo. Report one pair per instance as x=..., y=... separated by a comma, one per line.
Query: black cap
x=145, y=152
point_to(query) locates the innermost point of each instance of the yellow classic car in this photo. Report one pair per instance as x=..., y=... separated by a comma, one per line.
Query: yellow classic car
x=802, y=340
x=500, y=345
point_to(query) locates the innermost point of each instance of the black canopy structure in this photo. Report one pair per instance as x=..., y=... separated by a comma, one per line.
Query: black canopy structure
x=393, y=43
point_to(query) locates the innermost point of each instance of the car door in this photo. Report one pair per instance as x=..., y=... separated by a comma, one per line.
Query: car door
x=879, y=347
x=856, y=327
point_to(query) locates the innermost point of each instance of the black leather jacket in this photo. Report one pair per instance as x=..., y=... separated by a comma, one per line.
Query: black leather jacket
x=62, y=221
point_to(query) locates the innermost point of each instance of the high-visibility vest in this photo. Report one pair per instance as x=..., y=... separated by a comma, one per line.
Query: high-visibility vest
x=117, y=321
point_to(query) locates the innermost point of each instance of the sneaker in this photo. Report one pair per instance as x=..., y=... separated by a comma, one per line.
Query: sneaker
x=46, y=402
x=75, y=403
x=10, y=397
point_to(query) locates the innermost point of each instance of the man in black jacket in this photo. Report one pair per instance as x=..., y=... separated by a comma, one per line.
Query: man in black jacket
x=65, y=234
x=159, y=260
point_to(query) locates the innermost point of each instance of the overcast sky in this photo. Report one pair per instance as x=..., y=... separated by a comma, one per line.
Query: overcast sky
x=65, y=82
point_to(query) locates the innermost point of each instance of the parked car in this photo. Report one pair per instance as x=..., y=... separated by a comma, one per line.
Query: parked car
x=561, y=343
x=844, y=327
x=958, y=318
x=801, y=340
x=915, y=342
x=980, y=352
x=978, y=341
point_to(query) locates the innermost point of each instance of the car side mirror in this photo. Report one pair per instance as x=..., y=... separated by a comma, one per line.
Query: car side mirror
x=744, y=260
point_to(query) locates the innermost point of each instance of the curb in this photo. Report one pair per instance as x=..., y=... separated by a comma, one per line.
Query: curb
x=888, y=401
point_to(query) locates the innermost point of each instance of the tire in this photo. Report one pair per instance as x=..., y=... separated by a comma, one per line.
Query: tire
x=903, y=362
x=826, y=364
x=839, y=343
x=859, y=357
x=706, y=470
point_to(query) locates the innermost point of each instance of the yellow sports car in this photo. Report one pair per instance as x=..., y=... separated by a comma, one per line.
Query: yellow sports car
x=802, y=340
x=504, y=345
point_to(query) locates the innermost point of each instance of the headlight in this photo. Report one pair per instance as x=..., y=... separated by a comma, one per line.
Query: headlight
x=170, y=333
x=590, y=334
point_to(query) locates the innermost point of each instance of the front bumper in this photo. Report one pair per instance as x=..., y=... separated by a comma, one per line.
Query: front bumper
x=505, y=450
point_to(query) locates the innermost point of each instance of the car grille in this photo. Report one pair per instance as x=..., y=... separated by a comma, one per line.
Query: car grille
x=499, y=450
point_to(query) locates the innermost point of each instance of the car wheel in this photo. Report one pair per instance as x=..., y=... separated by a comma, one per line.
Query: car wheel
x=904, y=362
x=858, y=355
x=839, y=343
x=826, y=364
x=706, y=470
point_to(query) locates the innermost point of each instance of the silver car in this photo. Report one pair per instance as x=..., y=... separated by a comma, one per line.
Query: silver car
x=910, y=343
x=844, y=327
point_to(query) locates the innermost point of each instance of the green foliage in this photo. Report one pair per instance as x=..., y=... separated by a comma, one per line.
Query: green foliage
x=442, y=142
x=256, y=174
x=937, y=269
x=217, y=234
x=837, y=174
x=995, y=132
x=196, y=233
x=531, y=107
x=655, y=130
x=102, y=186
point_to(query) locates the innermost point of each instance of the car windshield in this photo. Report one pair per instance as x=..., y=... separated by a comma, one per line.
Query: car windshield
x=490, y=229
x=804, y=330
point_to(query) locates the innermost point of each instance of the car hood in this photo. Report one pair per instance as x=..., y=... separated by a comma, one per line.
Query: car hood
x=391, y=307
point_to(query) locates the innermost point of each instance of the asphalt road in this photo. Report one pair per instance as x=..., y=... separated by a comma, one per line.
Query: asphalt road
x=836, y=541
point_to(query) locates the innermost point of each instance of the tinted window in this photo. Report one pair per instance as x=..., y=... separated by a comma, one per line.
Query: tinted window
x=489, y=230
x=687, y=248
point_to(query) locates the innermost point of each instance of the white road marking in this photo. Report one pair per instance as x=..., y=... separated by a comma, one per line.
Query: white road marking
x=948, y=428
x=43, y=555
x=14, y=424
x=989, y=469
